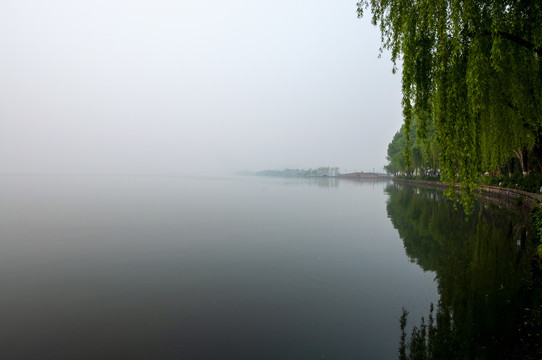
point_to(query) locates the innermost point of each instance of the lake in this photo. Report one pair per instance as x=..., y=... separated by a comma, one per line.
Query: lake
x=142, y=267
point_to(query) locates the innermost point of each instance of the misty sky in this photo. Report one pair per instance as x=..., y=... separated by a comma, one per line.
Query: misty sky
x=192, y=87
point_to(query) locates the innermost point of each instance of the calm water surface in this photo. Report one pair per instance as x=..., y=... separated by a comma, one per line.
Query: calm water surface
x=203, y=268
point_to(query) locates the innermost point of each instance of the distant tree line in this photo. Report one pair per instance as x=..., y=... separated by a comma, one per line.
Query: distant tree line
x=321, y=171
x=422, y=155
x=522, y=171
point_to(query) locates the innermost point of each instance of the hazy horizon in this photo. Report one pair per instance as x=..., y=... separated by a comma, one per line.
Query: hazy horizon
x=192, y=87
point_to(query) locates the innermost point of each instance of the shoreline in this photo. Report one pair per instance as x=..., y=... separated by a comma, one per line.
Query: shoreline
x=510, y=198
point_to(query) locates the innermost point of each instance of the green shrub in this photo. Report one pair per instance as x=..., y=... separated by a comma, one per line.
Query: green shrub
x=531, y=183
x=535, y=218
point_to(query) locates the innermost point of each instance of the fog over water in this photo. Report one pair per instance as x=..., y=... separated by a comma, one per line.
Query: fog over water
x=192, y=87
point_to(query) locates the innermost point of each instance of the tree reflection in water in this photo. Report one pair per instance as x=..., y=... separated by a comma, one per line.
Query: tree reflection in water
x=490, y=304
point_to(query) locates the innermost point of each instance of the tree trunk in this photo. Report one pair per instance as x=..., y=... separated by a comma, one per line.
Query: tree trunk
x=523, y=160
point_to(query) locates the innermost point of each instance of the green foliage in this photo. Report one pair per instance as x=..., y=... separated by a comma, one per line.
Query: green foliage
x=531, y=183
x=420, y=157
x=536, y=221
x=396, y=157
x=471, y=69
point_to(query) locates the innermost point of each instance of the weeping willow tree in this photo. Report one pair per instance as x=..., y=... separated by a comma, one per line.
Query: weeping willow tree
x=473, y=70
